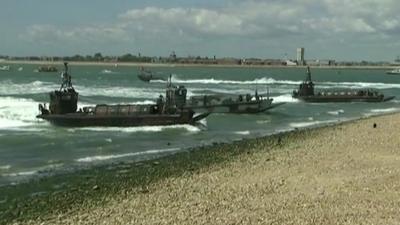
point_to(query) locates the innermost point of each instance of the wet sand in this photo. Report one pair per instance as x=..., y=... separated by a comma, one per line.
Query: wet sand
x=342, y=174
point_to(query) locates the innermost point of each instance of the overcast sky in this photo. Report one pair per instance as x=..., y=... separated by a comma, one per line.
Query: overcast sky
x=328, y=29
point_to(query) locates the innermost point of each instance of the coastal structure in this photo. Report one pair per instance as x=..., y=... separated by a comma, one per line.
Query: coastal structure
x=300, y=56
x=307, y=93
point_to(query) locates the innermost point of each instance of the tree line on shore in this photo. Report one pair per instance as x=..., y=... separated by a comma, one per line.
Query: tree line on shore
x=172, y=58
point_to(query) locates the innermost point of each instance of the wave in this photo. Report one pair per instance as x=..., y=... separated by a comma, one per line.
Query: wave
x=264, y=80
x=336, y=112
x=245, y=132
x=272, y=81
x=24, y=173
x=8, y=87
x=312, y=123
x=284, y=98
x=5, y=167
x=105, y=71
x=127, y=92
x=41, y=170
x=143, y=129
x=387, y=110
x=117, y=156
x=17, y=112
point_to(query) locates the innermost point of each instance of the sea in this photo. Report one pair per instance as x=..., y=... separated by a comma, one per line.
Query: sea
x=31, y=147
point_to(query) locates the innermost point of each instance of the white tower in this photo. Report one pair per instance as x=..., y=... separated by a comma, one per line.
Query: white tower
x=300, y=56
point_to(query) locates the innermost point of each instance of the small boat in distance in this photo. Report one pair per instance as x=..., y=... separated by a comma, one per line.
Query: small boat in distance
x=47, y=69
x=5, y=68
x=307, y=93
x=395, y=71
x=147, y=75
x=63, y=110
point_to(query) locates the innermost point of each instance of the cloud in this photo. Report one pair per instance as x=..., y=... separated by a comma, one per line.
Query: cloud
x=50, y=34
x=292, y=22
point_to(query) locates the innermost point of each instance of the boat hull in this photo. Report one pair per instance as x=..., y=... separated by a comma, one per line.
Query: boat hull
x=87, y=120
x=344, y=98
x=250, y=107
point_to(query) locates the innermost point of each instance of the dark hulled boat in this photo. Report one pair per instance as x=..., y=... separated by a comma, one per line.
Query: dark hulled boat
x=47, y=69
x=63, y=111
x=241, y=104
x=306, y=92
x=147, y=75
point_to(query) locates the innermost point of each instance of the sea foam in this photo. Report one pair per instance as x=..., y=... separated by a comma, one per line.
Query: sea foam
x=17, y=112
x=117, y=156
x=189, y=128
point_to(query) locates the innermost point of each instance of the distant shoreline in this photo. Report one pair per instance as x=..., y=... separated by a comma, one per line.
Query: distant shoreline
x=136, y=64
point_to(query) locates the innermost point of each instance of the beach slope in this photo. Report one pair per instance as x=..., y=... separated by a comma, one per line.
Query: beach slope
x=342, y=174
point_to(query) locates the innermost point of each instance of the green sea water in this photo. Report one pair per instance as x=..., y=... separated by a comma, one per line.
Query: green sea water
x=30, y=147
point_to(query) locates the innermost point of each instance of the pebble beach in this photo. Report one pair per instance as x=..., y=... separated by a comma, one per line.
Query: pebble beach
x=340, y=174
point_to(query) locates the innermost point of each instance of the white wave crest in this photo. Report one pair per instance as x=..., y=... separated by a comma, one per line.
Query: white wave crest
x=336, y=112
x=387, y=110
x=131, y=92
x=264, y=80
x=23, y=173
x=117, y=156
x=8, y=87
x=284, y=98
x=5, y=167
x=105, y=71
x=189, y=128
x=309, y=124
x=245, y=132
x=17, y=112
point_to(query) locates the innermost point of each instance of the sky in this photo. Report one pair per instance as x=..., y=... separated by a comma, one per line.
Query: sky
x=327, y=29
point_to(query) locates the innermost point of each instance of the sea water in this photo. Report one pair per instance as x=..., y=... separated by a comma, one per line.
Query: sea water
x=30, y=147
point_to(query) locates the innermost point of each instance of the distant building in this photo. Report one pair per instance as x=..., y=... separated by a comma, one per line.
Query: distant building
x=300, y=56
x=290, y=63
x=321, y=62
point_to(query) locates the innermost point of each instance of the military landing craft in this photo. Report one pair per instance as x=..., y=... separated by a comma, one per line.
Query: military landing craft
x=240, y=104
x=63, y=110
x=307, y=93
x=147, y=75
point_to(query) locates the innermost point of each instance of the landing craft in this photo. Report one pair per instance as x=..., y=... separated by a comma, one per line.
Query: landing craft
x=63, y=110
x=240, y=104
x=307, y=93
x=147, y=75
x=47, y=69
